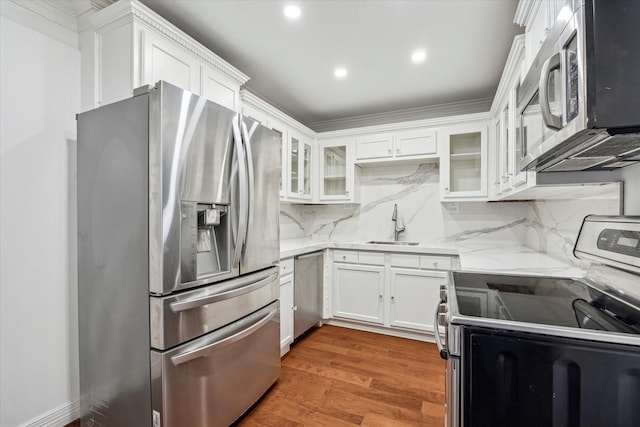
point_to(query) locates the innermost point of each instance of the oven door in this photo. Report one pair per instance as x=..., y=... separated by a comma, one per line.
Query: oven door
x=213, y=380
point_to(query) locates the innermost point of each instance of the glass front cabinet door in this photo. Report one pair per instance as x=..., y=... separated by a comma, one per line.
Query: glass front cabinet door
x=300, y=158
x=463, y=163
x=336, y=171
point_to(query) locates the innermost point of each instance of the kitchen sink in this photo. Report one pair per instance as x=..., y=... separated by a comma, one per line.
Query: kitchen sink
x=391, y=242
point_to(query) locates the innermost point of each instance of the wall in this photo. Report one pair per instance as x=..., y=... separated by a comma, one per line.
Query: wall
x=631, y=177
x=548, y=226
x=40, y=86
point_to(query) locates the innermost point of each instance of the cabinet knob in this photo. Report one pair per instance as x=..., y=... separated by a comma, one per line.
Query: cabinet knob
x=295, y=308
x=446, y=189
x=393, y=298
x=344, y=257
x=389, y=151
x=380, y=296
x=435, y=264
x=397, y=151
x=346, y=193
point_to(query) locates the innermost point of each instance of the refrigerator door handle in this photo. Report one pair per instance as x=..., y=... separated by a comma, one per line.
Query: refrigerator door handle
x=244, y=197
x=187, y=356
x=189, y=304
x=246, y=136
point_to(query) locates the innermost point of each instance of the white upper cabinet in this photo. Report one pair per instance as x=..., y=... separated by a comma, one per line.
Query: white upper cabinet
x=414, y=144
x=131, y=46
x=300, y=166
x=463, y=162
x=538, y=16
x=338, y=173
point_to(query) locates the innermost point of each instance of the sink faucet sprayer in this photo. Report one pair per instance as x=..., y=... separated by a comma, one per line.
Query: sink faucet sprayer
x=399, y=223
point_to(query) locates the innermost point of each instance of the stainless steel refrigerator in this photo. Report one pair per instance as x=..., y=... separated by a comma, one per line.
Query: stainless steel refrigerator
x=178, y=242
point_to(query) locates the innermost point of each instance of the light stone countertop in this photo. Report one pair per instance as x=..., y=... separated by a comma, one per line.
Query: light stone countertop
x=500, y=257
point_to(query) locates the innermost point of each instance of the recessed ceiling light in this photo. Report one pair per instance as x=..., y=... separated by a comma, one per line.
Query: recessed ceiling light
x=292, y=12
x=418, y=56
x=340, y=72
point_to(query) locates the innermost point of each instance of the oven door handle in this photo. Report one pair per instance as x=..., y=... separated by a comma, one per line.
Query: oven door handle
x=436, y=333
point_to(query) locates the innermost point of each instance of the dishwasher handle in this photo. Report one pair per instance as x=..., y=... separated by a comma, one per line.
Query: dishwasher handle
x=444, y=353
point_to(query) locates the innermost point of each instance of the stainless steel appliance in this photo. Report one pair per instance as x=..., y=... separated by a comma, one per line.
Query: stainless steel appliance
x=526, y=350
x=307, y=292
x=178, y=243
x=579, y=103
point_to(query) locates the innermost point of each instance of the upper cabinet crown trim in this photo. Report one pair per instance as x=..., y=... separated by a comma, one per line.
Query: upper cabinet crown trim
x=252, y=99
x=130, y=10
x=514, y=60
x=525, y=11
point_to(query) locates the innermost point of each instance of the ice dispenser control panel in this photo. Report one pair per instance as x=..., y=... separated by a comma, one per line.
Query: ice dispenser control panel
x=204, y=240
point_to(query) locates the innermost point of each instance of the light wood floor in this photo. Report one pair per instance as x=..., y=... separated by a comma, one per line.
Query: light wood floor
x=343, y=377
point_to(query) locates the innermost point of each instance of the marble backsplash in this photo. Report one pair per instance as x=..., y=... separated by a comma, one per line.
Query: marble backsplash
x=546, y=226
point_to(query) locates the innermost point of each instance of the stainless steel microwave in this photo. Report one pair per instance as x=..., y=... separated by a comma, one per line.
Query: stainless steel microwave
x=579, y=103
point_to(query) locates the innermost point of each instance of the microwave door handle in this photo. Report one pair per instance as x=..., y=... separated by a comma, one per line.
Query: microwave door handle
x=246, y=136
x=242, y=184
x=550, y=120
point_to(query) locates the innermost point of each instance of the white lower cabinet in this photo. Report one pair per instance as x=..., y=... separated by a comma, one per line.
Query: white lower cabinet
x=358, y=292
x=286, y=305
x=415, y=295
x=396, y=291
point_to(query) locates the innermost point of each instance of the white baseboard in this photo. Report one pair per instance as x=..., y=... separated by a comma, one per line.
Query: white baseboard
x=58, y=417
x=418, y=336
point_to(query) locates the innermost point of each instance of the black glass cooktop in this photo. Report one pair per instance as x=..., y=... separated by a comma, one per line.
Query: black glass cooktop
x=543, y=300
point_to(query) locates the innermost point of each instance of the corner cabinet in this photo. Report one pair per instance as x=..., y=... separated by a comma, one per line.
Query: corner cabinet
x=132, y=46
x=463, y=162
x=337, y=172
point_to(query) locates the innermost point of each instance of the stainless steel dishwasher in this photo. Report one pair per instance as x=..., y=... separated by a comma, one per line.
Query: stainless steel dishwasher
x=307, y=292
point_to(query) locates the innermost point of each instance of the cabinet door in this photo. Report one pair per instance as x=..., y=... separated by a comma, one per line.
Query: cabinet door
x=165, y=61
x=464, y=162
x=286, y=312
x=414, y=298
x=219, y=89
x=415, y=143
x=358, y=292
x=299, y=163
x=282, y=133
x=374, y=146
x=518, y=177
x=336, y=171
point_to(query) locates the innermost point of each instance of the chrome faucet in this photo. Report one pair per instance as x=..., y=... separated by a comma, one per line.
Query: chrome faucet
x=399, y=228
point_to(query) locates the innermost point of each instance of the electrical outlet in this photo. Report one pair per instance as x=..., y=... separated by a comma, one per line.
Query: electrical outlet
x=453, y=207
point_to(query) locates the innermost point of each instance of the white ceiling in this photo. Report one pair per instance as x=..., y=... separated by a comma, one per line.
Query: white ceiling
x=291, y=63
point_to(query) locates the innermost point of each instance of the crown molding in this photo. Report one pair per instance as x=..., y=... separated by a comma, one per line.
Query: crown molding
x=125, y=11
x=417, y=115
x=60, y=12
x=525, y=11
x=509, y=73
x=452, y=120
x=254, y=100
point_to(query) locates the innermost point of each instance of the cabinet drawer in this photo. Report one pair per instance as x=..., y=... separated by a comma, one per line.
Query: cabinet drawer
x=286, y=266
x=345, y=256
x=435, y=262
x=404, y=260
x=372, y=258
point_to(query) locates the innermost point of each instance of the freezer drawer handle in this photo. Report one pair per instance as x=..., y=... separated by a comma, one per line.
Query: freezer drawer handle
x=188, y=304
x=205, y=351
